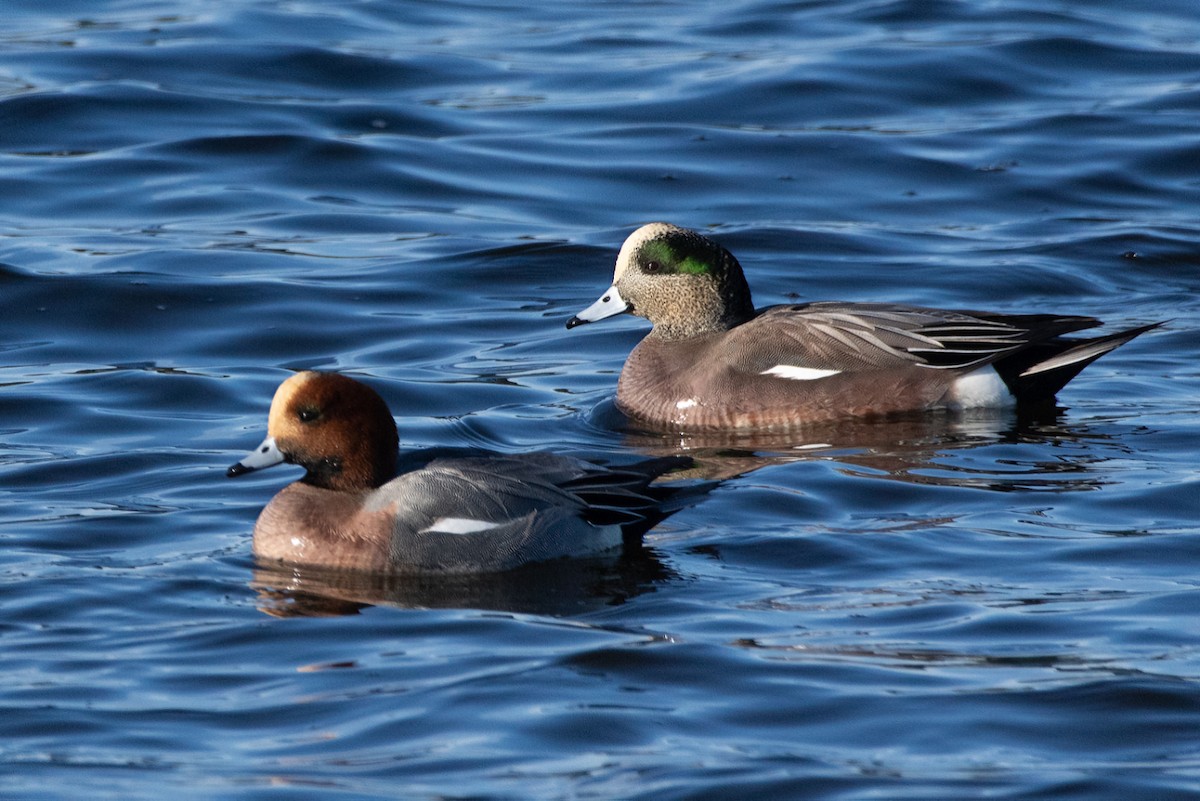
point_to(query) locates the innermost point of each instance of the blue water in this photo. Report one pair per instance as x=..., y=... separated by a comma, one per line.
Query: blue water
x=197, y=198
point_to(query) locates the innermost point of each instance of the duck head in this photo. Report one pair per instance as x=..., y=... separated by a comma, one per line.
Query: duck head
x=338, y=429
x=681, y=281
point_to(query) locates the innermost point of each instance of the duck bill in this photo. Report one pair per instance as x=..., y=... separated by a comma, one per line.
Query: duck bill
x=265, y=455
x=610, y=304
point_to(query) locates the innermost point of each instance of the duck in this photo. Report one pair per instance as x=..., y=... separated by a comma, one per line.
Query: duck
x=713, y=362
x=360, y=507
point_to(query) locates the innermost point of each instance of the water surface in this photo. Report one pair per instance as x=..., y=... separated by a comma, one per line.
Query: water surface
x=196, y=201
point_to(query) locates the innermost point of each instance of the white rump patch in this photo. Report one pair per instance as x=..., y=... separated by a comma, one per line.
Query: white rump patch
x=459, y=525
x=799, y=373
x=980, y=389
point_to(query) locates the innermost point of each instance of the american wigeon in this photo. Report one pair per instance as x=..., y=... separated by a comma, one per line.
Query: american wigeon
x=478, y=513
x=713, y=361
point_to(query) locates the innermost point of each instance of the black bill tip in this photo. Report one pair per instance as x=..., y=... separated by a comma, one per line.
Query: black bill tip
x=238, y=469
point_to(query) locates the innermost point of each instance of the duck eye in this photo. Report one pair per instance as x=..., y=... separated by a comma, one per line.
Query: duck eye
x=653, y=266
x=308, y=414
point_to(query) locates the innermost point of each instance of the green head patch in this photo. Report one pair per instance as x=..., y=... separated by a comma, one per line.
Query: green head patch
x=660, y=256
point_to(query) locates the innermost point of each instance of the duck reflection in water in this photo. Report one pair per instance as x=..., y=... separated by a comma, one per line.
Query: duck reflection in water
x=563, y=588
x=928, y=448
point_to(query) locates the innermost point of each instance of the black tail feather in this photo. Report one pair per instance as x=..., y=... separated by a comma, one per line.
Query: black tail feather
x=1038, y=372
x=625, y=495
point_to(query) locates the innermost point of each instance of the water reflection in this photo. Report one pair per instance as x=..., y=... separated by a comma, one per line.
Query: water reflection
x=560, y=588
x=918, y=658
x=997, y=450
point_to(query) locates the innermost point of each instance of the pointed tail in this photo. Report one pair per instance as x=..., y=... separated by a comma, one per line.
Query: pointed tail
x=1038, y=373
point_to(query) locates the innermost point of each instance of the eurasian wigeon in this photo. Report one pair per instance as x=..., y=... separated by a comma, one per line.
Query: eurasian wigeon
x=712, y=361
x=472, y=514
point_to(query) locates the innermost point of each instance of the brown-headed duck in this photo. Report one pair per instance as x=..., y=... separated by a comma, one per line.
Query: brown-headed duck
x=478, y=513
x=712, y=361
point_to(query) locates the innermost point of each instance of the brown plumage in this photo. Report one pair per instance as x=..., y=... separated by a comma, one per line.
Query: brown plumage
x=445, y=512
x=714, y=362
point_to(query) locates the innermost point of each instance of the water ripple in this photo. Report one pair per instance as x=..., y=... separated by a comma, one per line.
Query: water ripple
x=193, y=204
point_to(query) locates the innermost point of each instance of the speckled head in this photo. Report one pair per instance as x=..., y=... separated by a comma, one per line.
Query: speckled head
x=684, y=283
x=336, y=428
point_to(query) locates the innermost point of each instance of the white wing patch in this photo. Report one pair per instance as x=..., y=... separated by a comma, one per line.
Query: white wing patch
x=459, y=525
x=799, y=373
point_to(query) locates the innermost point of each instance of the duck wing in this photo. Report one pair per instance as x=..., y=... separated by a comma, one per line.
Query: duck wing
x=488, y=514
x=795, y=341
